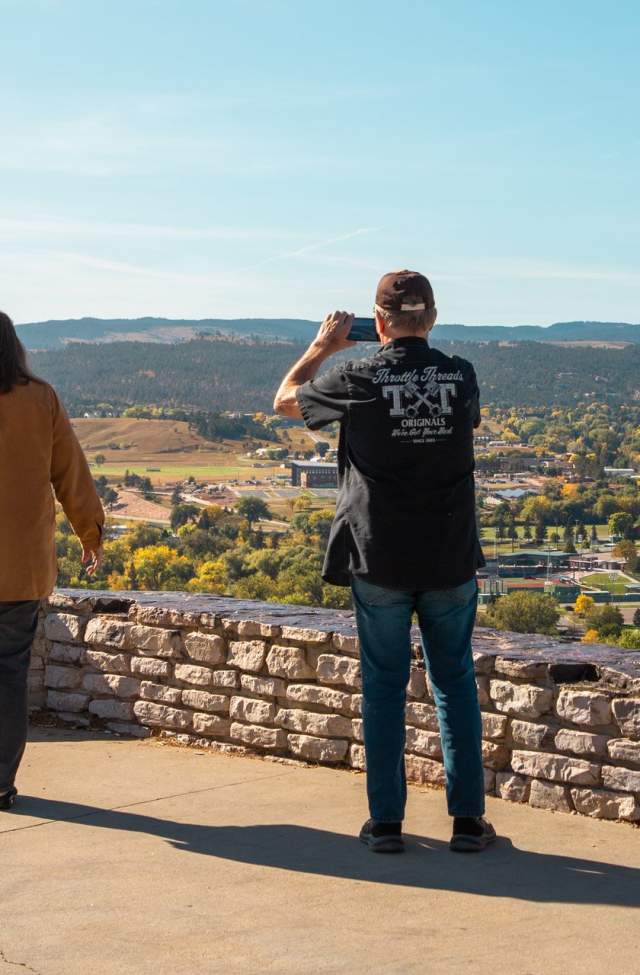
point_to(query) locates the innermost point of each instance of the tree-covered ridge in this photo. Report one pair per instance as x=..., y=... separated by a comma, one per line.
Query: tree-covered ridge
x=54, y=334
x=227, y=375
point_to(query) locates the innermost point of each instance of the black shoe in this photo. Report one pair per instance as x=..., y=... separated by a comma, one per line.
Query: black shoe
x=382, y=837
x=8, y=799
x=471, y=834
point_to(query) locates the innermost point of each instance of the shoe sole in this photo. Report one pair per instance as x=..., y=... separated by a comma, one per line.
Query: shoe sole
x=384, y=844
x=7, y=801
x=470, y=844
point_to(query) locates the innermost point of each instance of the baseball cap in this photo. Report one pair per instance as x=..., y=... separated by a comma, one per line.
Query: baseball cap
x=404, y=291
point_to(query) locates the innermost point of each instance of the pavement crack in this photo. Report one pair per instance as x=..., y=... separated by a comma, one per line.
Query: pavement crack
x=17, y=964
x=132, y=805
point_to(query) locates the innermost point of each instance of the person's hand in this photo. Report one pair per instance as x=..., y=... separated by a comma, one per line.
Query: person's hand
x=92, y=559
x=332, y=335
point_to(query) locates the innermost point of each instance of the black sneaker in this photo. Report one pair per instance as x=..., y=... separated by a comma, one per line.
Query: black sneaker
x=382, y=837
x=471, y=834
x=8, y=799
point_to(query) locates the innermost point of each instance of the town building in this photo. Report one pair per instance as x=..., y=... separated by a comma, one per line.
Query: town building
x=311, y=473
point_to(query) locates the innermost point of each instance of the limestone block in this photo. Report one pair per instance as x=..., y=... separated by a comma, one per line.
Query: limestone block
x=161, y=715
x=302, y=634
x=64, y=627
x=247, y=655
x=348, y=644
x=206, y=648
x=529, y=734
x=254, y=736
x=150, y=667
x=160, y=692
x=543, y=795
x=338, y=670
x=600, y=804
x=289, y=662
x=75, y=720
x=66, y=653
x=152, y=641
x=253, y=628
x=557, y=768
x=37, y=663
x=110, y=708
x=422, y=716
x=626, y=711
x=107, y=632
x=62, y=676
x=357, y=729
x=252, y=710
x=521, y=699
x=417, y=687
x=483, y=663
x=512, y=787
x=357, y=758
x=494, y=726
x=494, y=755
x=267, y=686
x=423, y=742
x=356, y=704
x=318, y=749
x=211, y=724
x=482, y=685
x=489, y=781
x=62, y=701
x=204, y=701
x=314, y=724
x=224, y=678
x=193, y=674
x=111, y=663
x=583, y=707
x=580, y=742
x=124, y=687
x=623, y=779
x=424, y=771
x=624, y=750
x=531, y=669
x=314, y=694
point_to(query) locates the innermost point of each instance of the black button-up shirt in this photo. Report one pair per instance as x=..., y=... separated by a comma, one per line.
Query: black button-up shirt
x=405, y=514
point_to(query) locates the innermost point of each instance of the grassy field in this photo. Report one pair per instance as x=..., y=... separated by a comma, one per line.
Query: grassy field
x=615, y=584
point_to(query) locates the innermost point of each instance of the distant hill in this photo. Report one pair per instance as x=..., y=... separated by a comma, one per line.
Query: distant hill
x=56, y=334
x=230, y=375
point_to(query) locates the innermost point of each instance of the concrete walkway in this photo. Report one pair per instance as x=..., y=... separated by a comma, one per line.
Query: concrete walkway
x=139, y=858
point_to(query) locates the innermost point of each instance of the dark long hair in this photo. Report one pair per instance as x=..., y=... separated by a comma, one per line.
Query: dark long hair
x=14, y=370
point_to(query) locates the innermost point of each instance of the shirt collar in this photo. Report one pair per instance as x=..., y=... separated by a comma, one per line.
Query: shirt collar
x=405, y=342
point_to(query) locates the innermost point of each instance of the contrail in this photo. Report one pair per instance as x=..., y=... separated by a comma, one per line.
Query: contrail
x=311, y=247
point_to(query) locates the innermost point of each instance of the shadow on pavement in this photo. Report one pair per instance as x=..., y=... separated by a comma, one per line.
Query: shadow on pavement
x=501, y=871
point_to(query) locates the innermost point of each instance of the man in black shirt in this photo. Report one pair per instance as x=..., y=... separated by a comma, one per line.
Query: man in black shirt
x=404, y=538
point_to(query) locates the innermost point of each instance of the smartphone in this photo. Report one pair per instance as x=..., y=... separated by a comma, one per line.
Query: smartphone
x=363, y=330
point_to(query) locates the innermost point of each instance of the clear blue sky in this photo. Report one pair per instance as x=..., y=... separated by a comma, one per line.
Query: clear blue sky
x=274, y=157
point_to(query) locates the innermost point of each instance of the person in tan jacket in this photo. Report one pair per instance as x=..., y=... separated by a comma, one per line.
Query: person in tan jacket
x=39, y=455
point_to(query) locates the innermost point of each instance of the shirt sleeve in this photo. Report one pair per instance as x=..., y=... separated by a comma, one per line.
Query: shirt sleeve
x=325, y=399
x=474, y=399
x=72, y=480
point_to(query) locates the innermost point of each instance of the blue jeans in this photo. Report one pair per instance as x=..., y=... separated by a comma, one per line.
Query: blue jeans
x=446, y=619
x=18, y=622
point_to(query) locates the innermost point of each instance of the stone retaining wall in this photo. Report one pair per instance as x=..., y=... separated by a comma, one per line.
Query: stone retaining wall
x=561, y=722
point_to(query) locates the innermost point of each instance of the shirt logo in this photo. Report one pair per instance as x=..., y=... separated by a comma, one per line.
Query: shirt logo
x=421, y=400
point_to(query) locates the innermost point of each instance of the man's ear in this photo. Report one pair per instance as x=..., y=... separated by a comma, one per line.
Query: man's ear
x=380, y=324
x=433, y=318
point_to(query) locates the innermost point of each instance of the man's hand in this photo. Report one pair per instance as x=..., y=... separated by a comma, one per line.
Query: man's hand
x=332, y=335
x=92, y=559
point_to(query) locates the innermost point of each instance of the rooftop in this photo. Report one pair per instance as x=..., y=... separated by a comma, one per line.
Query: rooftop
x=138, y=857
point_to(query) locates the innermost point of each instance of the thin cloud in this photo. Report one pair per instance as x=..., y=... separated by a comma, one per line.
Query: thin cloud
x=68, y=228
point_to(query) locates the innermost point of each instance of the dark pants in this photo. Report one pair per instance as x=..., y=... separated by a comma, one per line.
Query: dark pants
x=18, y=622
x=446, y=620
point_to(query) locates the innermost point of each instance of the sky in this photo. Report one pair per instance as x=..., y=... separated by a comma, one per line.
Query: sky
x=273, y=158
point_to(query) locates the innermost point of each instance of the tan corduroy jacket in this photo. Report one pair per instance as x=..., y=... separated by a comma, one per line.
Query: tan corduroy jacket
x=40, y=454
